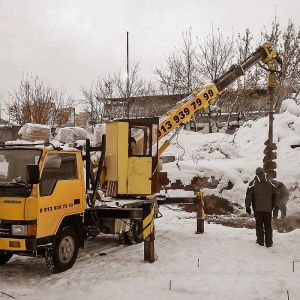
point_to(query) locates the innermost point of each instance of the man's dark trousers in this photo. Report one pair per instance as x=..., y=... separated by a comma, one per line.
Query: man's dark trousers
x=264, y=228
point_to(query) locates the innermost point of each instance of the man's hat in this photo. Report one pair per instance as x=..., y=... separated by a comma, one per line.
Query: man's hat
x=259, y=171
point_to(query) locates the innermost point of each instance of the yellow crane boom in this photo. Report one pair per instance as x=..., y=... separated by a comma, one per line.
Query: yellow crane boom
x=201, y=98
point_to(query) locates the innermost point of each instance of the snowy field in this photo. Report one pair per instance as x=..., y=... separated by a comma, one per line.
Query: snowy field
x=221, y=263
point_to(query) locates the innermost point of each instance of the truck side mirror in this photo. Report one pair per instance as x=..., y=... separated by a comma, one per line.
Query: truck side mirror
x=32, y=174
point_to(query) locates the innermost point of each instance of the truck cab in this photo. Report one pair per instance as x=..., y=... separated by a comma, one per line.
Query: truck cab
x=41, y=192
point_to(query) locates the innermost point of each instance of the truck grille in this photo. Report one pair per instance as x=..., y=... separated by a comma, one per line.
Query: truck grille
x=5, y=230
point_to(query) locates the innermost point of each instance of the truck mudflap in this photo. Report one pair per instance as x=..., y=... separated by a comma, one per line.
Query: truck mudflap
x=17, y=245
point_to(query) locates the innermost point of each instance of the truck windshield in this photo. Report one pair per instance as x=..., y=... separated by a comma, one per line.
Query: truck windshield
x=13, y=163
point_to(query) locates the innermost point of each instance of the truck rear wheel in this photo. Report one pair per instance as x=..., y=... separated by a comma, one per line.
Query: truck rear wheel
x=65, y=250
x=5, y=256
x=123, y=238
x=135, y=233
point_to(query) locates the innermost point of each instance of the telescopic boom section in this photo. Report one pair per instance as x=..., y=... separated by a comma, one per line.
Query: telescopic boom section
x=201, y=98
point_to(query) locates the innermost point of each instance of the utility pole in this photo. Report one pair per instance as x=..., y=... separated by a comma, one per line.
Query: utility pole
x=1, y=109
x=127, y=79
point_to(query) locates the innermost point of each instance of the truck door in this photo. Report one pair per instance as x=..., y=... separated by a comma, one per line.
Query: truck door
x=61, y=191
x=140, y=161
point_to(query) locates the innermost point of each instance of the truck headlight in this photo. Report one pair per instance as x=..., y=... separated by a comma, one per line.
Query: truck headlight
x=19, y=229
x=29, y=230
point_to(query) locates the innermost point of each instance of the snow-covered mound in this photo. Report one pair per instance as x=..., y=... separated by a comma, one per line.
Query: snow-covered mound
x=235, y=157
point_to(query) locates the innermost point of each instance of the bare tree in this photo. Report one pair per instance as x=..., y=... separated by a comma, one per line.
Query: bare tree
x=248, y=85
x=104, y=95
x=215, y=55
x=189, y=74
x=96, y=98
x=214, y=58
x=167, y=83
x=180, y=74
x=111, y=97
x=34, y=102
x=132, y=86
x=136, y=84
x=287, y=42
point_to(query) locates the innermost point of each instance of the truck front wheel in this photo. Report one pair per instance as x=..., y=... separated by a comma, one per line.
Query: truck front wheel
x=65, y=250
x=5, y=256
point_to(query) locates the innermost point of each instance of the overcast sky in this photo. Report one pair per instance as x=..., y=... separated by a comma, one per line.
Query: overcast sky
x=69, y=43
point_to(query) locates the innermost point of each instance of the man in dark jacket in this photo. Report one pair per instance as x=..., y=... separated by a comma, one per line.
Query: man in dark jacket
x=261, y=193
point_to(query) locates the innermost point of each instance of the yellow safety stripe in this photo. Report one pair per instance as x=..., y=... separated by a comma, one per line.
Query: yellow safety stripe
x=148, y=219
x=148, y=224
x=147, y=231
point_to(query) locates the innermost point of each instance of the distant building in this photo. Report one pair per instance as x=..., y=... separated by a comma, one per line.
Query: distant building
x=82, y=119
x=140, y=106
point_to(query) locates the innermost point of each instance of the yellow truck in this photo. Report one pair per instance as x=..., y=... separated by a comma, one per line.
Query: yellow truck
x=44, y=207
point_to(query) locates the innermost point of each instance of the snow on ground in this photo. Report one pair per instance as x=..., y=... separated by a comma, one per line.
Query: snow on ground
x=221, y=263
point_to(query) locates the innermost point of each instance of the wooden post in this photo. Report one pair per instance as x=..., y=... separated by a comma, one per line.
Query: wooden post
x=148, y=232
x=200, y=213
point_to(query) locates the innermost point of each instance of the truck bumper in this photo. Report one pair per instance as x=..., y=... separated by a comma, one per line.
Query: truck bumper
x=13, y=244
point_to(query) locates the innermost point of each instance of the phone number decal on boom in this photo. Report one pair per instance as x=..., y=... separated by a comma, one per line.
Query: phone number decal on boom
x=191, y=107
